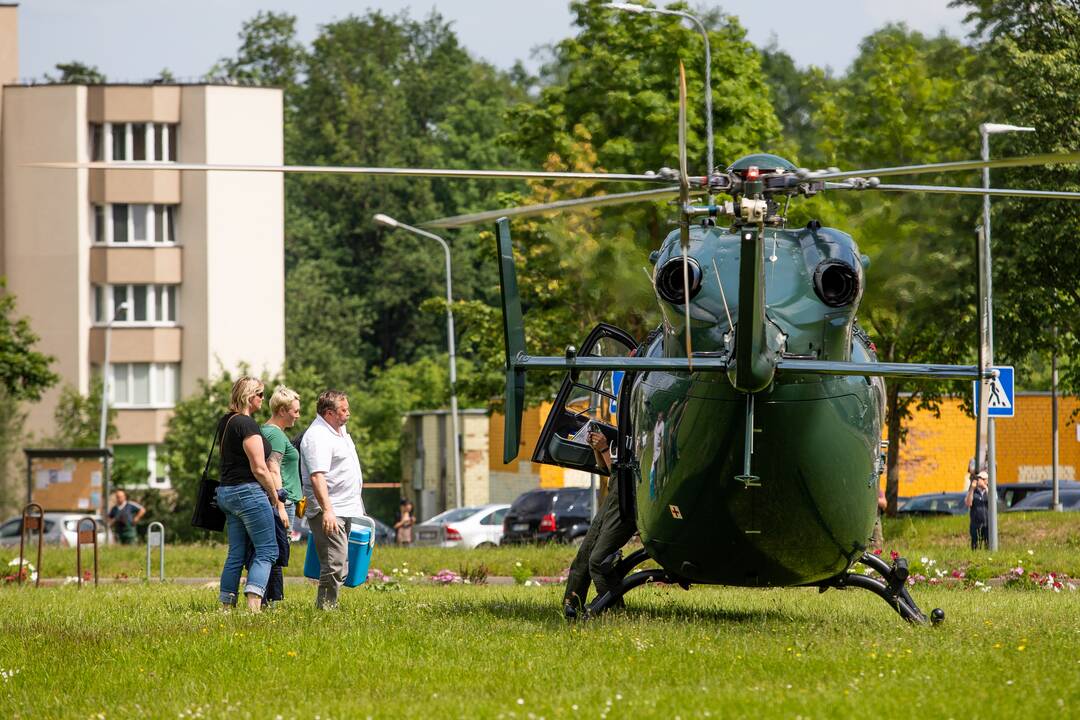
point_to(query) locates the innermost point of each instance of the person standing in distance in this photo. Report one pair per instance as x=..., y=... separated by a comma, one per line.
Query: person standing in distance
x=978, y=503
x=123, y=517
x=332, y=482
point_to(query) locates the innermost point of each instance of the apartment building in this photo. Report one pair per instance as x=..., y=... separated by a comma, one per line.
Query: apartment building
x=179, y=273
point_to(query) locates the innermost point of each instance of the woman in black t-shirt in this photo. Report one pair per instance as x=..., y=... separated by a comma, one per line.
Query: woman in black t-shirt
x=246, y=495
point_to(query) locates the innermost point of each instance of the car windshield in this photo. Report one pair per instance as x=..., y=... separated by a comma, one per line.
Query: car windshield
x=455, y=515
x=568, y=501
x=939, y=503
x=538, y=502
x=1041, y=500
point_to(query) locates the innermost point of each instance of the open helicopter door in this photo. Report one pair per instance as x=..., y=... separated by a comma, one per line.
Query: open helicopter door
x=586, y=396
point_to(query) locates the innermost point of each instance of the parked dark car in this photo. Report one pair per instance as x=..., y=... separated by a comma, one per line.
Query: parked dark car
x=1012, y=493
x=559, y=515
x=1040, y=500
x=934, y=504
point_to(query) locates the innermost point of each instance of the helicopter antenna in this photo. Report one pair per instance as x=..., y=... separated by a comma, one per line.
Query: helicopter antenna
x=684, y=214
x=722, y=295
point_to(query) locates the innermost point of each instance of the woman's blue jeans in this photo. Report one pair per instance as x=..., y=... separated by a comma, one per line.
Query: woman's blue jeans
x=249, y=517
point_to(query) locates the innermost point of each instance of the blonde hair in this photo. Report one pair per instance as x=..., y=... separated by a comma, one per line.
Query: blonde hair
x=283, y=397
x=243, y=390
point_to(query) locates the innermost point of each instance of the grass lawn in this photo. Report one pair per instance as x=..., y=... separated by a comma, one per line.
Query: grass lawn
x=131, y=651
x=1052, y=538
x=412, y=648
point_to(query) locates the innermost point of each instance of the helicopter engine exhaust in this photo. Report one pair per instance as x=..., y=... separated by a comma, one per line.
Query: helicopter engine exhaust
x=669, y=280
x=836, y=283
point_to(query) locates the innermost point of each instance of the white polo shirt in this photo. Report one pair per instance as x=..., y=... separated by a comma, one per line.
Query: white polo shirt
x=332, y=453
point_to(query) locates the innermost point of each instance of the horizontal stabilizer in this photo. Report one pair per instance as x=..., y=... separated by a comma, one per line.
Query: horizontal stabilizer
x=914, y=371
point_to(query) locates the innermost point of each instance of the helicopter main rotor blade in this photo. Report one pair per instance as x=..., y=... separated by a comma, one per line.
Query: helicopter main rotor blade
x=684, y=215
x=350, y=170
x=944, y=189
x=529, y=210
x=957, y=166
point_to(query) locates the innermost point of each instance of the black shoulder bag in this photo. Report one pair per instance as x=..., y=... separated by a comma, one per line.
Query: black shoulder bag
x=207, y=515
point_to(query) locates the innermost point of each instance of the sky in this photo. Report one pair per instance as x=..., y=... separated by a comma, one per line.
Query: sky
x=133, y=40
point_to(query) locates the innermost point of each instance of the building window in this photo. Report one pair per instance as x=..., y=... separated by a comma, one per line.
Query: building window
x=97, y=142
x=146, y=462
x=145, y=304
x=155, y=142
x=144, y=385
x=135, y=223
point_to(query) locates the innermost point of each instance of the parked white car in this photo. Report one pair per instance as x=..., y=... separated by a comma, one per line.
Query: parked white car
x=467, y=527
x=60, y=529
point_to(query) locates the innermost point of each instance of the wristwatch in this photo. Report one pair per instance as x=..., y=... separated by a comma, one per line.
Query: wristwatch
x=282, y=496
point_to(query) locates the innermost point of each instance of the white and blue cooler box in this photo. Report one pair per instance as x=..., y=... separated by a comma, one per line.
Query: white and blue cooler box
x=361, y=545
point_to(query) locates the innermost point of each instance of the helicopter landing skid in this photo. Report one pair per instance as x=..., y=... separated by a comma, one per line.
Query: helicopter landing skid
x=614, y=598
x=891, y=588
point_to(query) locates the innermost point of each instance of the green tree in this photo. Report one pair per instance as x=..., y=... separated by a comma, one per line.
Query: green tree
x=24, y=376
x=77, y=418
x=375, y=90
x=24, y=372
x=187, y=440
x=609, y=102
x=269, y=53
x=77, y=73
x=1033, y=51
x=905, y=100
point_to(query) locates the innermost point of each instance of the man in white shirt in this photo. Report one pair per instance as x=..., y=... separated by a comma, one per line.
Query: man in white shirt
x=332, y=480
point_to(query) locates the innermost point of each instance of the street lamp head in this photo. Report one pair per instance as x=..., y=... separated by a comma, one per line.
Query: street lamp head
x=627, y=7
x=993, y=128
x=386, y=221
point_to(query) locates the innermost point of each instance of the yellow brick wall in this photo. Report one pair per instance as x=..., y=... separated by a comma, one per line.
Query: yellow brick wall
x=532, y=421
x=935, y=455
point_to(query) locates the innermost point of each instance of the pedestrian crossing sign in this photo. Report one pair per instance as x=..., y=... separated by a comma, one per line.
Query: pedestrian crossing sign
x=1002, y=399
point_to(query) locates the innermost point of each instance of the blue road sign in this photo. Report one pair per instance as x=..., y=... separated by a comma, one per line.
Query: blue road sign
x=616, y=383
x=1002, y=400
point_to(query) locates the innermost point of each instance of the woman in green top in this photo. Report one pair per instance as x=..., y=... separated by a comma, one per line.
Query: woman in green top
x=284, y=466
x=284, y=461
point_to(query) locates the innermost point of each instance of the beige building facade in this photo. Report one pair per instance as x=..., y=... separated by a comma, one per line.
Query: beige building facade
x=183, y=271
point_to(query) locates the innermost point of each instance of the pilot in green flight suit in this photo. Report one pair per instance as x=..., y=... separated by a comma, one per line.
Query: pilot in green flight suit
x=599, y=552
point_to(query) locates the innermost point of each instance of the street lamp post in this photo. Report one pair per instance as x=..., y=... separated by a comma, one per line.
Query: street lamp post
x=390, y=222
x=635, y=8
x=121, y=308
x=985, y=131
x=104, y=426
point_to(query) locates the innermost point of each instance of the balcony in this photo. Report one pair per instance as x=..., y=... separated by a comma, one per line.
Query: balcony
x=142, y=426
x=133, y=103
x=135, y=186
x=139, y=265
x=136, y=344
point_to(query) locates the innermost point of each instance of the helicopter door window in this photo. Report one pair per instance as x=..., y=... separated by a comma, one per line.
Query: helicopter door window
x=589, y=397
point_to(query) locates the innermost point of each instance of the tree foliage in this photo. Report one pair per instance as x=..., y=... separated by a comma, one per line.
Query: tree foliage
x=24, y=372
x=1033, y=49
x=905, y=100
x=76, y=73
